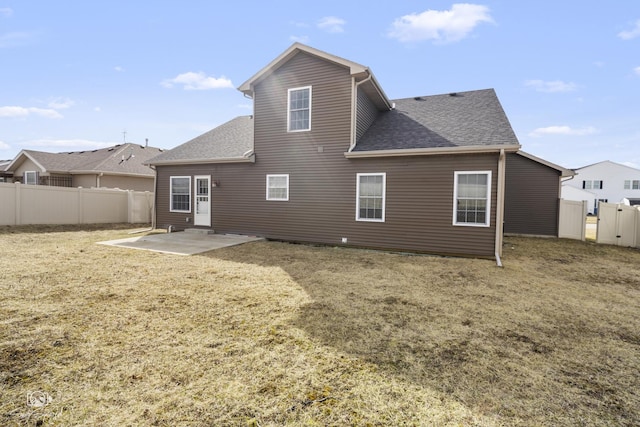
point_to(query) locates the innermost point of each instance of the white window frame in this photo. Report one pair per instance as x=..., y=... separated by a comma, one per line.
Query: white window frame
x=278, y=199
x=627, y=184
x=171, y=208
x=384, y=196
x=289, y=108
x=35, y=177
x=487, y=220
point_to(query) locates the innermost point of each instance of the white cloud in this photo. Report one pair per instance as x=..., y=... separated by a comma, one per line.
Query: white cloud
x=14, y=39
x=6, y=11
x=301, y=39
x=637, y=71
x=551, y=86
x=198, y=81
x=332, y=24
x=60, y=103
x=563, y=130
x=444, y=26
x=15, y=111
x=632, y=34
x=245, y=106
x=97, y=109
x=118, y=68
x=4, y=146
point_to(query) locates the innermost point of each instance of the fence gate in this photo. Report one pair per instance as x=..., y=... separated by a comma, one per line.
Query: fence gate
x=618, y=225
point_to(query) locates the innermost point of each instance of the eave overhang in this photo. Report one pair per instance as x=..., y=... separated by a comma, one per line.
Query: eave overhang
x=250, y=158
x=436, y=151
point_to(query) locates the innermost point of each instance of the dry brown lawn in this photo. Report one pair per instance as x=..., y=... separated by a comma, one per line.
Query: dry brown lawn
x=270, y=334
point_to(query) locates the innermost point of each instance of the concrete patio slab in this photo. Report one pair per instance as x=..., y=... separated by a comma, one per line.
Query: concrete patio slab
x=181, y=243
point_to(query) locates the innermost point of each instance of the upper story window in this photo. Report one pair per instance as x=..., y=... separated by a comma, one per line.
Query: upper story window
x=589, y=185
x=278, y=187
x=180, y=189
x=632, y=184
x=299, y=109
x=472, y=198
x=370, y=193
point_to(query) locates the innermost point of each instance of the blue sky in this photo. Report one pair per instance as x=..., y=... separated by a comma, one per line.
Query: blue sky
x=76, y=75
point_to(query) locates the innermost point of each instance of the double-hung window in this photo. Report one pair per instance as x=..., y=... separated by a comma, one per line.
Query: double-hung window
x=632, y=184
x=278, y=187
x=180, y=189
x=472, y=198
x=299, y=109
x=370, y=196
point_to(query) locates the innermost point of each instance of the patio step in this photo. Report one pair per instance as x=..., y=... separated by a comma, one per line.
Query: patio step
x=199, y=230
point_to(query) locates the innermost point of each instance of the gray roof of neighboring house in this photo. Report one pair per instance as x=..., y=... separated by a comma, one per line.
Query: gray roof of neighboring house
x=125, y=159
x=231, y=140
x=473, y=118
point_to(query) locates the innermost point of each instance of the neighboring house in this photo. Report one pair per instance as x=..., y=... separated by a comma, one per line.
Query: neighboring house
x=607, y=182
x=578, y=194
x=328, y=158
x=4, y=175
x=121, y=166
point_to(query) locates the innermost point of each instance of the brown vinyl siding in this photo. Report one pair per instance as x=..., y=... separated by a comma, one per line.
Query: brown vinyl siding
x=322, y=207
x=322, y=182
x=366, y=114
x=531, y=197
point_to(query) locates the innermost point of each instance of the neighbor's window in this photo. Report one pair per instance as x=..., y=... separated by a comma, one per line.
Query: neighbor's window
x=632, y=185
x=595, y=184
x=370, y=196
x=278, y=187
x=472, y=198
x=180, y=194
x=299, y=109
x=31, y=178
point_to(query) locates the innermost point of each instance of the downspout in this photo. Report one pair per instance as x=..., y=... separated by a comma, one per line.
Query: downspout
x=354, y=111
x=155, y=197
x=500, y=206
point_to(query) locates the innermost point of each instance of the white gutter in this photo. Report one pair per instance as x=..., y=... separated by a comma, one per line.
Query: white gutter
x=500, y=206
x=432, y=151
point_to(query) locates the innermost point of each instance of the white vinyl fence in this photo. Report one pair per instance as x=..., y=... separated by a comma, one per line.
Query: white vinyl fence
x=36, y=204
x=573, y=218
x=618, y=224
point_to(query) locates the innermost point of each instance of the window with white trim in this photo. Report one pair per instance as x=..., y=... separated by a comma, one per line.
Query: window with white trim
x=278, y=187
x=299, y=109
x=370, y=196
x=632, y=184
x=30, y=177
x=180, y=190
x=472, y=198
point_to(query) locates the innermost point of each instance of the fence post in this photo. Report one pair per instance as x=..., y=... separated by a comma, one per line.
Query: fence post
x=80, y=205
x=18, y=201
x=130, y=206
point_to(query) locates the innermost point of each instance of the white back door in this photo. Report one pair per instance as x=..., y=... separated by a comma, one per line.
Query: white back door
x=202, y=189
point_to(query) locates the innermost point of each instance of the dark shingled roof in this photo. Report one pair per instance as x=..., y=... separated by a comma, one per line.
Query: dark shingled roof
x=230, y=140
x=473, y=118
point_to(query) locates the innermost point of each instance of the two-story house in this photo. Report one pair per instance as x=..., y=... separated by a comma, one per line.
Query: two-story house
x=605, y=181
x=328, y=158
